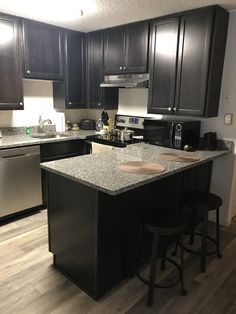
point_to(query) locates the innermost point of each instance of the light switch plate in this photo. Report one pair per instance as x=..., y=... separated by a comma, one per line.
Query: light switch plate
x=228, y=118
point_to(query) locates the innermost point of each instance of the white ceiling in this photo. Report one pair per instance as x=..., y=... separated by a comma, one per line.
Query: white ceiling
x=100, y=14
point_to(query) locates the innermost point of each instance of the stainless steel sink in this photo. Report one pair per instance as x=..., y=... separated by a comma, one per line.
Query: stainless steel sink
x=48, y=135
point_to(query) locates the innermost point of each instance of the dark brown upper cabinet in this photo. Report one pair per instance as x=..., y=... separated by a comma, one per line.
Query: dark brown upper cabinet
x=43, y=58
x=163, y=65
x=126, y=49
x=70, y=93
x=11, y=88
x=98, y=97
x=192, y=84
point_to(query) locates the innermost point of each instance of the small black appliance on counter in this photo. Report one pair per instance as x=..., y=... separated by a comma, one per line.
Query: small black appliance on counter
x=87, y=124
x=172, y=133
x=209, y=141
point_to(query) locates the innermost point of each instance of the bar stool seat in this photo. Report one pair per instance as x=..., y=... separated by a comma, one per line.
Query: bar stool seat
x=166, y=226
x=205, y=200
x=201, y=204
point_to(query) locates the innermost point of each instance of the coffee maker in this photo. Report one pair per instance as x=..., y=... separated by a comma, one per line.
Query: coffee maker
x=209, y=141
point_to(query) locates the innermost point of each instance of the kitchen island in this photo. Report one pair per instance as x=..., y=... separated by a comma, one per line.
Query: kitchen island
x=94, y=209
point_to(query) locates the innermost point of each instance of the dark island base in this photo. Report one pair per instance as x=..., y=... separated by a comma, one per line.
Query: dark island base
x=93, y=234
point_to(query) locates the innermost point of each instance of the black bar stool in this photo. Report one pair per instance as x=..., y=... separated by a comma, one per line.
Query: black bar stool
x=201, y=204
x=166, y=226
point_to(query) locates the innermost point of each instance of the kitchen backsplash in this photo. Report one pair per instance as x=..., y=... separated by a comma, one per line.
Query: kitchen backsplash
x=38, y=100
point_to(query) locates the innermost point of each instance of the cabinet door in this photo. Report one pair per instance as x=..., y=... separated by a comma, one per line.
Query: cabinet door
x=94, y=69
x=136, y=48
x=11, y=89
x=97, y=97
x=114, y=50
x=42, y=51
x=162, y=67
x=193, y=62
x=70, y=93
x=75, y=70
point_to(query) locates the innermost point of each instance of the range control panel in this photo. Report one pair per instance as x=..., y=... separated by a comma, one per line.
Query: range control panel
x=129, y=122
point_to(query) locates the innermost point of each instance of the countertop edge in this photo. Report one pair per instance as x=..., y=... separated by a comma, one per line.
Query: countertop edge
x=135, y=185
x=27, y=140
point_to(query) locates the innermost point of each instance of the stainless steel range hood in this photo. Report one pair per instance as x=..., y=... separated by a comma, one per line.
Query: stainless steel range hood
x=126, y=80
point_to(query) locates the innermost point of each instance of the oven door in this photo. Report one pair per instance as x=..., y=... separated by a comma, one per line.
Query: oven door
x=159, y=132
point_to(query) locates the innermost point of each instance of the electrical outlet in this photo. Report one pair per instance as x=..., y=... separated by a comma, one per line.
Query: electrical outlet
x=228, y=118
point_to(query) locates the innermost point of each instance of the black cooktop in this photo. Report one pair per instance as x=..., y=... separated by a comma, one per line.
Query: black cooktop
x=121, y=122
x=110, y=139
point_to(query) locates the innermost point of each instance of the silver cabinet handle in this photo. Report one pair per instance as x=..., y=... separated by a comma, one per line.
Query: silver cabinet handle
x=169, y=108
x=121, y=68
x=70, y=102
x=21, y=104
x=99, y=104
x=124, y=68
x=28, y=72
x=175, y=108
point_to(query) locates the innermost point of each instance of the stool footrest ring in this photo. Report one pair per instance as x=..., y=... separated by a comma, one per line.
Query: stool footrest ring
x=199, y=252
x=164, y=285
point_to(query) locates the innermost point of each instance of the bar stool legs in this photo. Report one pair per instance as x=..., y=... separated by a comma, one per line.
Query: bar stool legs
x=219, y=255
x=183, y=290
x=201, y=203
x=151, y=282
x=153, y=270
x=155, y=255
x=166, y=226
x=163, y=261
x=192, y=236
x=204, y=236
x=204, y=242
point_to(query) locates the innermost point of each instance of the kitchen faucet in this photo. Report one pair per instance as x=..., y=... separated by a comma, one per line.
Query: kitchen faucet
x=41, y=124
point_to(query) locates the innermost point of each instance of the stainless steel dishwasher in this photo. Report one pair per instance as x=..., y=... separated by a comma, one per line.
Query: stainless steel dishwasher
x=20, y=179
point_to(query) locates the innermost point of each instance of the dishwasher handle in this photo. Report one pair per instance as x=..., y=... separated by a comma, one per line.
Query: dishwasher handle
x=16, y=156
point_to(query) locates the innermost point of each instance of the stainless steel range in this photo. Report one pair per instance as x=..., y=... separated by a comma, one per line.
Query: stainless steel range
x=127, y=130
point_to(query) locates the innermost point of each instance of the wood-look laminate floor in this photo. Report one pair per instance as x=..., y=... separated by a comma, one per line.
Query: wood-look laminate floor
x=30, y=285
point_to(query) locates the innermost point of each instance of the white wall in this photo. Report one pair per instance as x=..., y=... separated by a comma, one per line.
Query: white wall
x=38, y=100
x=134, y=102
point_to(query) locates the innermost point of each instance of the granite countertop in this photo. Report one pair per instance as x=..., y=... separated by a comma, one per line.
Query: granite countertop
x=100, y=171
x=18, y=140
